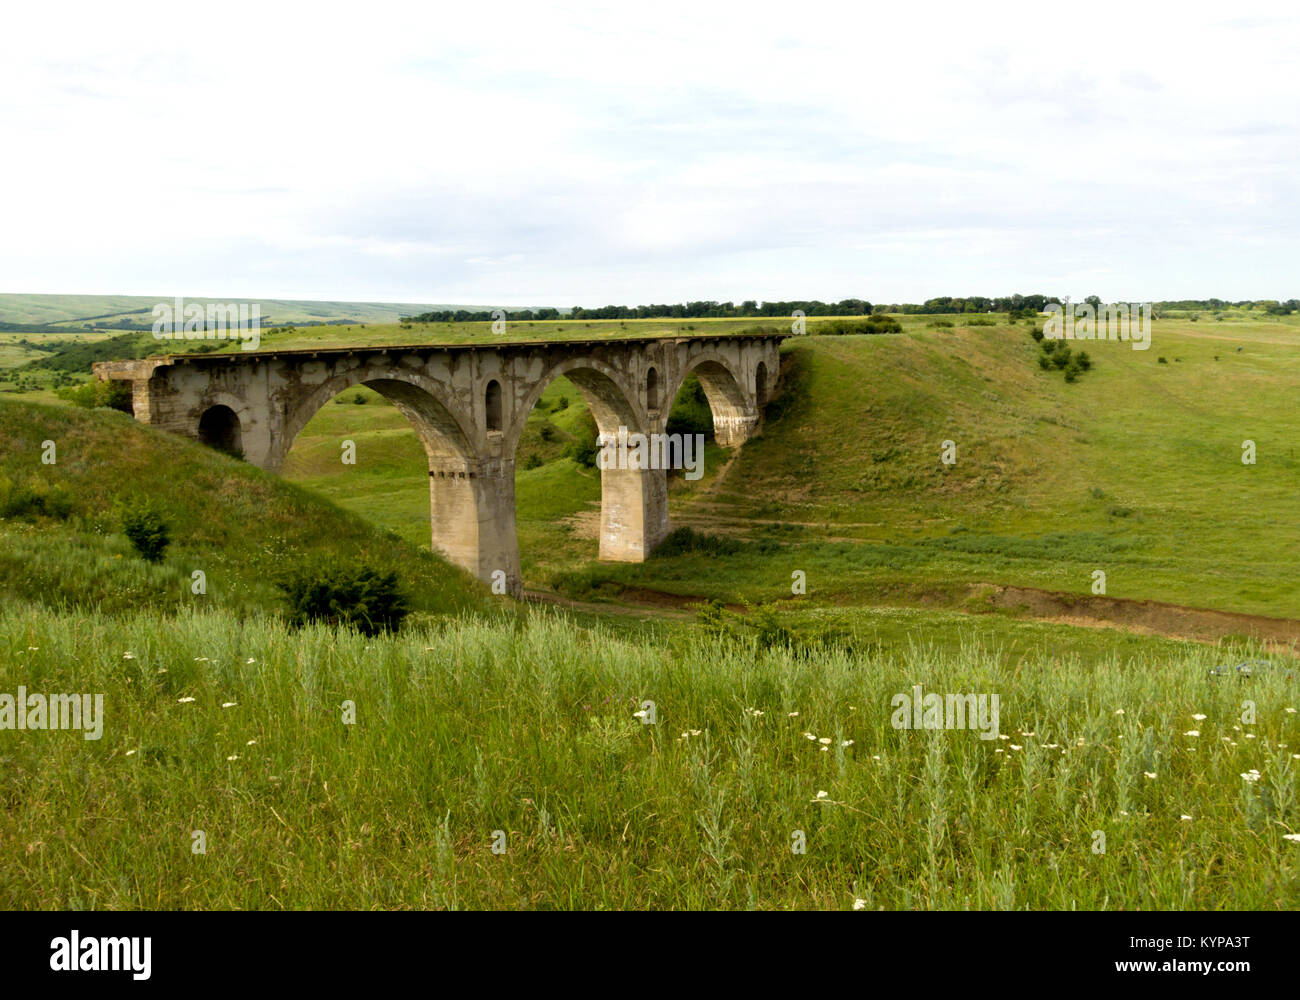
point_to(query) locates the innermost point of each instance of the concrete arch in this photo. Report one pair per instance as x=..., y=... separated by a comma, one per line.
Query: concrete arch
x=633, y=502
x=421, y=400
x=472, y=517
x=734, y=413
x=612, y=401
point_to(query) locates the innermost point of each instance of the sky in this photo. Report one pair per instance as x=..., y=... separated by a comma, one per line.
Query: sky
x=577, y=154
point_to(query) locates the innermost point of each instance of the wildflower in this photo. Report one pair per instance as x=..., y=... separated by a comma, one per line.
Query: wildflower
x=1293, y=837
x=250, y=660
x=128, y=753
x=875, y=756
x=825, y=739
x=846, y=743
x=809, y=736
x=1289, y=711
x=184, y=701
x=1014, y=747
x=200, y=659
x=1186, y=817
x=821, y=795
x=644, y=713
x=1119, y=711
x=861, y=904
x=128, y=656
x=1251, y=775
x=1123, y=812
x=1250, y=736
x=823, y=749
x=1198, y=716
x=1150, y=774
x=791, y=715
x=233, y=756
x=1192, y=732
x=229, y=704
x=250, y=743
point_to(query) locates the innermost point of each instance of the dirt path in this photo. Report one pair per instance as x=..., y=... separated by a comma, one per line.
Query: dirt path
x=1173, y=621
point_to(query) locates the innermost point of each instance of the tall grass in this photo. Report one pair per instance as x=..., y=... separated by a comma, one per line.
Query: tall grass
x=527, y=726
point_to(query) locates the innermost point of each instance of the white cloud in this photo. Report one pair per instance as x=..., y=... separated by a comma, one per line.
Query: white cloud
x=519, y=153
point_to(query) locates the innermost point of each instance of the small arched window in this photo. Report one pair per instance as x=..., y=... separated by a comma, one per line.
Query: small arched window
x=492, y=401
x=652, y=390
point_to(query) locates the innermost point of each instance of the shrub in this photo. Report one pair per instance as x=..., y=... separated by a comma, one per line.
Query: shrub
x=359, y=399
x=35, y=498
x=685, y=539
x=585, y=449
x=547, y=432
x=562, y=403
x=533, y=461
x=111, y=393
x=359, y=597
x=147, y=531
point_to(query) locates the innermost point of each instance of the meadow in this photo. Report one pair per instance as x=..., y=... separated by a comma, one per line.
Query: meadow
x=1133, y=769
x=502, y=764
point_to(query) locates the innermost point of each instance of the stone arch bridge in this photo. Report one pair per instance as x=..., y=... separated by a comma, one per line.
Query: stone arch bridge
x=468, y=404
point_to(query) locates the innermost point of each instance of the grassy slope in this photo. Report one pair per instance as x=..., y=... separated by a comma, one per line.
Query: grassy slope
x=237, y=524
x=1135, y=470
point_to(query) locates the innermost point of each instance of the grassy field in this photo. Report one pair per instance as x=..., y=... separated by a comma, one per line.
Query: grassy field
x=522, y=736
x=485, y=721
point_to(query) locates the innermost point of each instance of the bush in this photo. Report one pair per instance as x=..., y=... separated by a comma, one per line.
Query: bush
x=147, y=531
x=683, y=540
x=868, y=325
x=35, y=498
x=111, y=393
x=359, y=597
x=585, y=449
x=533, y=461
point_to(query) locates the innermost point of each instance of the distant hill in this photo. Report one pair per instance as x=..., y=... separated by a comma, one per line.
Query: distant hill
x=71, y=312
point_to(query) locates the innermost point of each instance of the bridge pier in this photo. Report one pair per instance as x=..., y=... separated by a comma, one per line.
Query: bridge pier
x=472, y=520
x=633, y=513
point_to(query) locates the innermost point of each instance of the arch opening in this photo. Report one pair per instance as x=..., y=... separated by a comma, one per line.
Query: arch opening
x=652, y=390
x=492, y=405
x=219, y=428
x=574, y=483
x=461, y=510
x=760, y=386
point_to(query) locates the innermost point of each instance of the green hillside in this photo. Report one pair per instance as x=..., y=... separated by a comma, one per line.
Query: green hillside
x=1135, y=470
x=61, y=538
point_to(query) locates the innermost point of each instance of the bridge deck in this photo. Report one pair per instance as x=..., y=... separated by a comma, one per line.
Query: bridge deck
x=189, y=357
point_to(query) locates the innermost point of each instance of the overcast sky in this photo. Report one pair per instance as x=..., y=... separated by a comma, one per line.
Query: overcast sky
x=543, y=154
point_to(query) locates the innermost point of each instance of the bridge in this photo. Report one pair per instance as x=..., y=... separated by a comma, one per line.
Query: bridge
x=468, y=404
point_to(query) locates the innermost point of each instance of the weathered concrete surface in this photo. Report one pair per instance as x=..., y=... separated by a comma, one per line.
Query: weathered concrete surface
x=468, y=404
